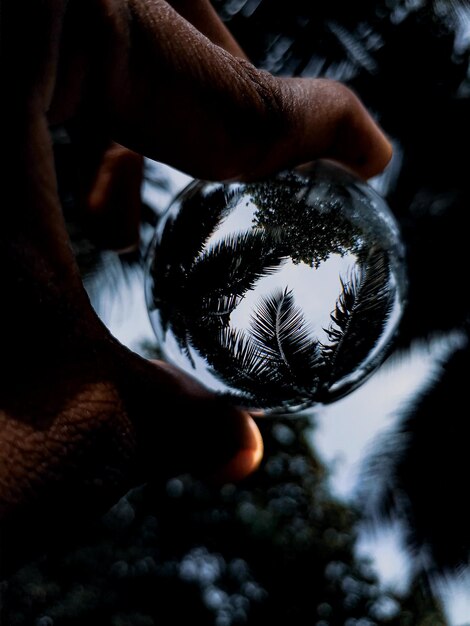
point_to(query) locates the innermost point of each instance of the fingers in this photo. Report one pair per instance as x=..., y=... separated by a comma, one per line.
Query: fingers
x=112, y=200
x=113, y=204
x=105, y=420
x=185, y=101
x=189, y=103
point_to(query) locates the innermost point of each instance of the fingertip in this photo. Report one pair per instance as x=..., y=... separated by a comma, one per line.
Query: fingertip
x=373, y=163
x=247, y=459
x=363, y=143
x=378, y=156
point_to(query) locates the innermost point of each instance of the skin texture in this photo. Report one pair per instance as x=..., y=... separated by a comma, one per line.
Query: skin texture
x=82, y=417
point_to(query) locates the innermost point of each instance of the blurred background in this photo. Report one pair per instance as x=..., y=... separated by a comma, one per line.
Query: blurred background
x=358, y=514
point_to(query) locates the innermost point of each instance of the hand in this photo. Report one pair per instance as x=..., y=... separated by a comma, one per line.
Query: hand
x=81, y=416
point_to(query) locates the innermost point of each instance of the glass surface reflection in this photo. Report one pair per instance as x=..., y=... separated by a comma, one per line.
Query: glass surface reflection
x=279, y=294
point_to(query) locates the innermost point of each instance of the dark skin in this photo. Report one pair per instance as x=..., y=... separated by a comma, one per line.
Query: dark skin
x=82, y=417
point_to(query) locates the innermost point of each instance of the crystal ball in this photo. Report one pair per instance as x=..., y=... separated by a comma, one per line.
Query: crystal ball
x=279, y=294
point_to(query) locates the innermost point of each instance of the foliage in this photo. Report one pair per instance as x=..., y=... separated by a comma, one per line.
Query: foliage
x=311, y=229
x=277, y=361
x=360, y=315
x=277, y=549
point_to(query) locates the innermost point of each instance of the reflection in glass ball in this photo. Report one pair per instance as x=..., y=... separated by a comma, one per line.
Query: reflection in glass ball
x=279, y=294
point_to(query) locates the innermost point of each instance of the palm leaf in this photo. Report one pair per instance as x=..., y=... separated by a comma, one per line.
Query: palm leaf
x=244, y=362
x=214, y=285
x=234, y=357
x=233, y=265
x=284, y=338
x=184, y=237
x=200, y=213
x=266, y=371
x=181, y=241
x=216, y=309
x=360, y=316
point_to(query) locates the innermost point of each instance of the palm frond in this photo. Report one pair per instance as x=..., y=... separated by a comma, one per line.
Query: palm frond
x=184, y=237
x=360, y=316
x=233, y=265
x=216, y=309
x=211, y=289
x=242, y=362
x=284, y=338
x=199, y=215
x=245, y=361
x=234, y=358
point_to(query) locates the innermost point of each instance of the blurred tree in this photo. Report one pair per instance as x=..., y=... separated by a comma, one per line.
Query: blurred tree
x=277, y=549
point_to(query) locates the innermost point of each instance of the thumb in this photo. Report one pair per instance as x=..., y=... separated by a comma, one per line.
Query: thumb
x=182, y=427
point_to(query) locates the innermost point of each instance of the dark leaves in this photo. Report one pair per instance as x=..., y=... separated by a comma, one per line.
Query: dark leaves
x=283, y=337
x=274, y=361
x=359, y=318
x=232, y=266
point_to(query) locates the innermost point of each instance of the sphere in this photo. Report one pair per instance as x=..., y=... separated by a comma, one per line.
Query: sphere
x=278, y=294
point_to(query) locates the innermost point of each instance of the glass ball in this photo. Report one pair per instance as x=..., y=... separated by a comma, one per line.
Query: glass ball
x=279, y=294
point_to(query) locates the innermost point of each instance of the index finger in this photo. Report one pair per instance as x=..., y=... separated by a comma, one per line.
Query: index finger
x=187, y=102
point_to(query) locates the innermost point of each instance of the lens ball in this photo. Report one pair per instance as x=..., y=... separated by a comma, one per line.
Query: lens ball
x=279, y=294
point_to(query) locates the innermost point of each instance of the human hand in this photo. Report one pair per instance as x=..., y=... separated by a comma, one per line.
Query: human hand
x=81, y=416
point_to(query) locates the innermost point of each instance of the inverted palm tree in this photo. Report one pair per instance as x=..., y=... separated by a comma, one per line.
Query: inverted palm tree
x=276, y=361
x=181, y=242
x=186, y=233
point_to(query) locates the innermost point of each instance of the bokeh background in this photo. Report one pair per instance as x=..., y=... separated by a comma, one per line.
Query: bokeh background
x=358, y=515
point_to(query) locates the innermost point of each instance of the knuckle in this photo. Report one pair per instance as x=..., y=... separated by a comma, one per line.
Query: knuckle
x=267, y=95
x=254, y=93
